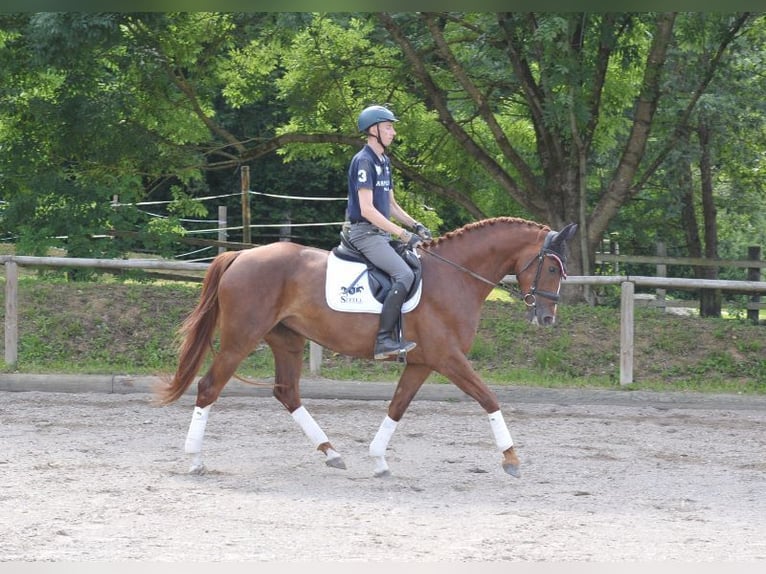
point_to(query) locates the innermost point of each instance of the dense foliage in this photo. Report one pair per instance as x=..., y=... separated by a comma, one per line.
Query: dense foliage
x=639, y=126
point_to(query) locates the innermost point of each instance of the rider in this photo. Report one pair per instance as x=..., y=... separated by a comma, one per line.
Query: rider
x=371, y=204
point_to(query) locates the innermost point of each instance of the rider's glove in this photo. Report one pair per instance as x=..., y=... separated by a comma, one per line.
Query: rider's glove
x=411, y=240
x=423, y=231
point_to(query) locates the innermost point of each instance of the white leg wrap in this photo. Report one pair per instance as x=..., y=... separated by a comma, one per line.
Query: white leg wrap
x=503, y=438
x=197, y=430
x=379, y=444
x=309, y=425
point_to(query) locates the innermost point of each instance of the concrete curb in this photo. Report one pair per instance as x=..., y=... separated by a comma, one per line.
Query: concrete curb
x=318, y=388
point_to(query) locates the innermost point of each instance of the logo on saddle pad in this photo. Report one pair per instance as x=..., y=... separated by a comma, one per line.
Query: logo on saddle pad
x=348, y=288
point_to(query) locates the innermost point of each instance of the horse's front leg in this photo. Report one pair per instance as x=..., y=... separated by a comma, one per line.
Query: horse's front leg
x=411, y=380
x=504, y=442
x=460, y=372
x=287, y=347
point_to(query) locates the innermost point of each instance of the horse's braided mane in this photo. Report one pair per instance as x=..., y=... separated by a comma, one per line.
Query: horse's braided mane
x=485, y=222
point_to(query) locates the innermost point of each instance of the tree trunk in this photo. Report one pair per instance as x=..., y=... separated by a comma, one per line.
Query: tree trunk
x=621, y=186
x=710, y=299
x=689, y=222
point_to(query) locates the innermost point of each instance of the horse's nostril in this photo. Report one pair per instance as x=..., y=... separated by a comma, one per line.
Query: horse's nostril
x=549, y=320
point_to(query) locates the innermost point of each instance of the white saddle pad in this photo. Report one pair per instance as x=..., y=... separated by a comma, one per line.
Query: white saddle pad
x=347, y=288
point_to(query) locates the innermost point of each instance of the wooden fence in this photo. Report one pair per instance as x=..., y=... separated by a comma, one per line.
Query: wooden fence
x=753, y=266
x=627, y=289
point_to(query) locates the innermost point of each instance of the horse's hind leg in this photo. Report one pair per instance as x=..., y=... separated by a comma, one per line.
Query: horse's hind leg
x=208, y=389
x=410, y=382
x=287, y=347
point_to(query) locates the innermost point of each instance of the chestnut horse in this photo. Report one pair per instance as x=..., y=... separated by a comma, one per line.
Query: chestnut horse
x=275, y=293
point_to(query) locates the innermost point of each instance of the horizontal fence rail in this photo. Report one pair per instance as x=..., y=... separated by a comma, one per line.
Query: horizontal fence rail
x=686, y=261
x=162, y=264
x=627, y=288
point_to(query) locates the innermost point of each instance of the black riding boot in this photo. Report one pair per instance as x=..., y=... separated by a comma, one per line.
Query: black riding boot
x=392, y=309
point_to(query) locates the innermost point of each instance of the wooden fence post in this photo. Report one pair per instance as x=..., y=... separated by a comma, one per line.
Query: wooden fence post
x=627, y=292
x=285, y=232
x=754, y=274
x=662, y=271
x=315, y=358
x=246, y=237
x=11, y=312
x=222, y=218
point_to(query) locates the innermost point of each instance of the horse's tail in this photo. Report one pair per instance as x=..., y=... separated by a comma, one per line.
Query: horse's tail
x=196, y=332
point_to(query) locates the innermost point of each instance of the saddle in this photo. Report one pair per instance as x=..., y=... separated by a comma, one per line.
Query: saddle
x=355, y=284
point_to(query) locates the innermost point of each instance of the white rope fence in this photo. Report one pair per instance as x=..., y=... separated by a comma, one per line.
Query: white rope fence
x=218, y=228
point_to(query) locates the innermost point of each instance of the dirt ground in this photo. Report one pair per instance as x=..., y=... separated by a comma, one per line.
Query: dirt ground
x=92, y=477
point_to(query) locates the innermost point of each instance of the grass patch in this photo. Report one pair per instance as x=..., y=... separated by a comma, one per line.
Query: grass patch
x=116, y=327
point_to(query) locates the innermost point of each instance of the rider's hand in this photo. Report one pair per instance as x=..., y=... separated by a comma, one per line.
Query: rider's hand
x=413, y=241
x=423, y=231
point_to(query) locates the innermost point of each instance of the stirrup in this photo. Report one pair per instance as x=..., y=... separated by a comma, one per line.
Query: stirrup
x=402, y=347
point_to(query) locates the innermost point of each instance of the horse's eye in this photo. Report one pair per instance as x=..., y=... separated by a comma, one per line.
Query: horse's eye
x=552, y=269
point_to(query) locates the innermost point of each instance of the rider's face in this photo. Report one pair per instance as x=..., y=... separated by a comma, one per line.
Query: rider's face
x=386, y=132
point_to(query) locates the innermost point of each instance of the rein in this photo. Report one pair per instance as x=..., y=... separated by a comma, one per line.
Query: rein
x=460, y=267
x=529, y=298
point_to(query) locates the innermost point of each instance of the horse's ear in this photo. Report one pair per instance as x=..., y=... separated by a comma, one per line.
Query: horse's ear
x=568, y=232
x=563, y=236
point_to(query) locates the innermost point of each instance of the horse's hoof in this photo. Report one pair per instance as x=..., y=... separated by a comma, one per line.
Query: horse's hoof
x=512, y=469
x=382, y=473
x=336, y=462
x=197, y=469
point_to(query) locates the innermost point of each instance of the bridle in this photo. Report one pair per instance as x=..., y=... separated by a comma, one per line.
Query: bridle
x=530, y=297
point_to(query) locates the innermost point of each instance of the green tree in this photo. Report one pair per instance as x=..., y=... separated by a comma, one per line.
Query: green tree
x=69, y=138
x=558, y=117
x=130, y=106
x=564, y=117
x=707, y=198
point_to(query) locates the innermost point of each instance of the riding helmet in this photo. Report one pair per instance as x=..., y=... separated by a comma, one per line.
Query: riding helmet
x=372, y=115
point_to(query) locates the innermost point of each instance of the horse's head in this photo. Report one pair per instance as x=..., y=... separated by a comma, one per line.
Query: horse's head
x=540, y=277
